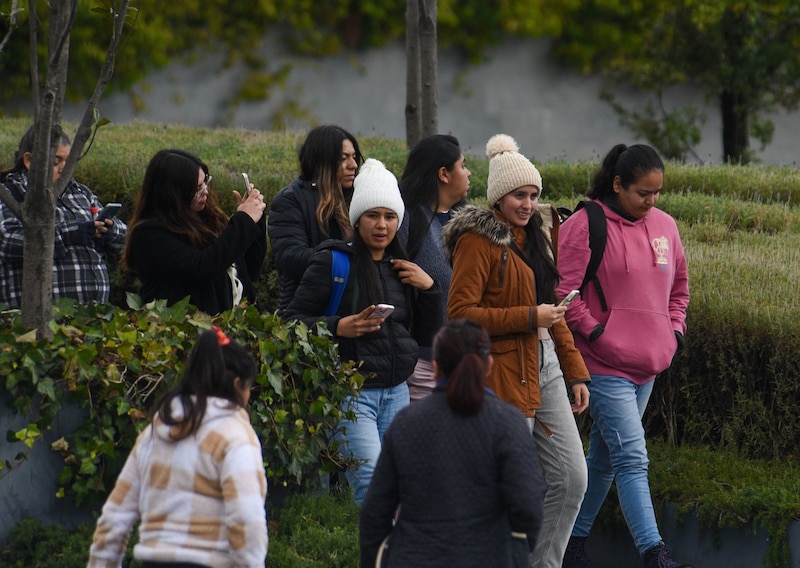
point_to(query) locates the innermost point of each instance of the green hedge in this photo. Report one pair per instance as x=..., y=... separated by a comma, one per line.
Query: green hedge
x=114, y=362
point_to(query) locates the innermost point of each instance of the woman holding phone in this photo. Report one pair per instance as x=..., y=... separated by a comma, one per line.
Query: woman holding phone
x=504, y=278
x=180, y=243
x=82, y=243
x=385, y=344
x=627, y=336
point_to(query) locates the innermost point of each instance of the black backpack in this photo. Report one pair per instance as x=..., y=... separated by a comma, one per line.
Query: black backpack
x=598, y=234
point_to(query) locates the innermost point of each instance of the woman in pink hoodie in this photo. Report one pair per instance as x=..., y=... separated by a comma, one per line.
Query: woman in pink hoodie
x=627, y=339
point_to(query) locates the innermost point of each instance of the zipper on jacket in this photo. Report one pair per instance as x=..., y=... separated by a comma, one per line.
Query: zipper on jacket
x=503, y=266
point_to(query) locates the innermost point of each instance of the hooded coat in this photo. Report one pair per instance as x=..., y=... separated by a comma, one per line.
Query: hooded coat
x=494, y=287
x=645, y=282
x=200, y=499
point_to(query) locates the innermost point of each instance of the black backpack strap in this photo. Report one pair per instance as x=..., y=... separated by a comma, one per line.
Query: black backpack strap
x=598, y=235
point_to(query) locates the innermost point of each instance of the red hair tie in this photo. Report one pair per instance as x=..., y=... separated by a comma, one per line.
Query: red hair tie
x=221, y=337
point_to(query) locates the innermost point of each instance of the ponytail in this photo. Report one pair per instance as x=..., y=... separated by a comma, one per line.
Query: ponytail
x=461, y=352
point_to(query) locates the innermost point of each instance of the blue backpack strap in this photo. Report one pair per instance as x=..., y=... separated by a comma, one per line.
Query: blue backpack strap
x=340, y=270
x=598, y=235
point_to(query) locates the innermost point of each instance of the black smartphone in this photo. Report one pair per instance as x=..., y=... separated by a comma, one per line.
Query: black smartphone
x=108, y=211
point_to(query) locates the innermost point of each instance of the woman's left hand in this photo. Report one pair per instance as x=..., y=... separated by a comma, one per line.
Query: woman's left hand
x=412, y=274
x=581, y=395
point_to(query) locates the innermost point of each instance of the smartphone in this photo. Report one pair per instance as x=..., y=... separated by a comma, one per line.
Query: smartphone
x=246, y=185
x=108, y=211
x=571, y=296
x=381, y=311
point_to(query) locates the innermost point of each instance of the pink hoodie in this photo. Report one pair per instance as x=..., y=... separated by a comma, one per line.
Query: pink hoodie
x=645, y=281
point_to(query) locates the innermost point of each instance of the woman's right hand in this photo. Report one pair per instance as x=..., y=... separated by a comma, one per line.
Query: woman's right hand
x=358, y=324
x=253, y=205
x=547, y=315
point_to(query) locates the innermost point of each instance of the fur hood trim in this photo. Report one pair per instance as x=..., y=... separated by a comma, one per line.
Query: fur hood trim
x=481, y=221
x=484, y=222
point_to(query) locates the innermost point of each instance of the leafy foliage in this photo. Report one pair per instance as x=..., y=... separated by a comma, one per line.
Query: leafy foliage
x=33, y=544
x=115, y=362
x=744, y=54
x=237, y=28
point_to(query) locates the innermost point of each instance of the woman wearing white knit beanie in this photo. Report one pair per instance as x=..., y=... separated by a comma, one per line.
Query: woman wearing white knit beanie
x=386, y=346
x=504, y=278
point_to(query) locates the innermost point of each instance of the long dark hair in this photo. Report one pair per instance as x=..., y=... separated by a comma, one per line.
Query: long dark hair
x=210, y=372
x=629, y=163
x=541, y=255
x=26, y=145
x=320, y=157
x=461, y=350
x=419, y=184
x=367, y=288
x=169, y=186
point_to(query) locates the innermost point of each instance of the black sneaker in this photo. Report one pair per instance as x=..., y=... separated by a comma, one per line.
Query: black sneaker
x=575, y=555
x=659, y=557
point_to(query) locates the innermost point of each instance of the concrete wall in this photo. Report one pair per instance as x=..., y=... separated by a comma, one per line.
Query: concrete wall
x=552, y=111
x=29, y=491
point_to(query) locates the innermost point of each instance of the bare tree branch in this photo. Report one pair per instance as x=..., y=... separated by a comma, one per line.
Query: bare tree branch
x=11, y=203
x=12, y=24
x=413, y=87
x=33, y=41
x=429, y=55
x=106, y=72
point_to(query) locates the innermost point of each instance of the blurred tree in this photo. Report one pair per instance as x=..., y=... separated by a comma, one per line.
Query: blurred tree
x=236, y=28
x=745, y=54
x=37, y=211
x=422, y=68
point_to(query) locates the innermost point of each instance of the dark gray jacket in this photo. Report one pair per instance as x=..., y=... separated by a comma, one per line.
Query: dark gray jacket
x=462, y=485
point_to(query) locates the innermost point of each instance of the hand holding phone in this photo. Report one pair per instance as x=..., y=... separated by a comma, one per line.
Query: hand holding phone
x=571, y=296
x=108, y=211
x=246, y=186
x=381, y=311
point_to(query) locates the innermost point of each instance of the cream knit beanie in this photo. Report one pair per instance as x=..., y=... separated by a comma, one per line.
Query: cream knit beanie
x=508, y=169
x=375, y=186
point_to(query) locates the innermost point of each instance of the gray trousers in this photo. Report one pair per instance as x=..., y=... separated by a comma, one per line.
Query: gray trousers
x=562, y=459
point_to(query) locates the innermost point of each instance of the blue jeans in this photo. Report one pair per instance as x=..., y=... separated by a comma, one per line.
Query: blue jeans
x=617, y=448
x=375, y=409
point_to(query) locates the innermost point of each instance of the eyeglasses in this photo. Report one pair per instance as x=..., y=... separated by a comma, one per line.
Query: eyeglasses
x=205, y=185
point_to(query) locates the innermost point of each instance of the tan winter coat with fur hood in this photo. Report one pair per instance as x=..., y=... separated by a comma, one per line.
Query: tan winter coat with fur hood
x=494, y=287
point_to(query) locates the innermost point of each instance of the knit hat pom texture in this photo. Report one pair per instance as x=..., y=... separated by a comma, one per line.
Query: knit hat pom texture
x=375, y=186
x=508, y=169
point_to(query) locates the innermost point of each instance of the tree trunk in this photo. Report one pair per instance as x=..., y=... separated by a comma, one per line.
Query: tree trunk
x=429, y=57
x=735, y=128
x=39, y=207
x=413, y=74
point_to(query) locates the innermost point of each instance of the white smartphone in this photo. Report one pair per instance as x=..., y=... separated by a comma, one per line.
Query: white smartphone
x=381, y=311
x=246, y=185
x=108, y=211
x=571, y=296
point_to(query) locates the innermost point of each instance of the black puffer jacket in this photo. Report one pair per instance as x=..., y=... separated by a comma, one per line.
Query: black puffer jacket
x=294, y=233
x=389, y=353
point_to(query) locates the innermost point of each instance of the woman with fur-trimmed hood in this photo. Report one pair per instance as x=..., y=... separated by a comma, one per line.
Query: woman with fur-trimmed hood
x=505, y=278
